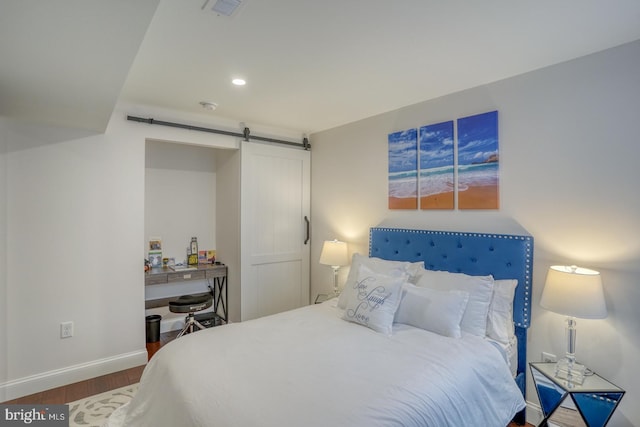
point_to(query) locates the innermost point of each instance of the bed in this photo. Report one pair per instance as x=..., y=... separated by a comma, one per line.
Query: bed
x=333, y=364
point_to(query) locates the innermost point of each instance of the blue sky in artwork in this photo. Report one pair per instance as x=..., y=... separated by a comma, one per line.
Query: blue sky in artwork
x=403, y=151
x=477, y=138
x=436, y=145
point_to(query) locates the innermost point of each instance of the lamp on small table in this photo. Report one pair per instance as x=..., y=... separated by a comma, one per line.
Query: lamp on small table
x=574, y=292
x=334, y=253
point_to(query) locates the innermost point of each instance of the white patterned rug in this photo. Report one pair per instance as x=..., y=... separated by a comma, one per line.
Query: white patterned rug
x=94, y=410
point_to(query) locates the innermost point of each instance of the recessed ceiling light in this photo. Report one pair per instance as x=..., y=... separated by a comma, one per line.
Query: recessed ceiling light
x=239, y=82
x=208, y=105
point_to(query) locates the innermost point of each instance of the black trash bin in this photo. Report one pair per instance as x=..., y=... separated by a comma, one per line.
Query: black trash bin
x=153, y=327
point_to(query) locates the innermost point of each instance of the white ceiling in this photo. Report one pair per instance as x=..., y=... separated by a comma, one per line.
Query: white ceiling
x=64, y=62
x=310, y=65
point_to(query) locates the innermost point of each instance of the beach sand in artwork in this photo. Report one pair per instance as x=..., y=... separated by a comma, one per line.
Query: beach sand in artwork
x=480, y=197
x=403, y=203
x=437, y=201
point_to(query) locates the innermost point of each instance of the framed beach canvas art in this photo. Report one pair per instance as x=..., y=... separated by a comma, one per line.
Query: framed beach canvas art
x=403, y=169
x=436, y=166
x=478, y=161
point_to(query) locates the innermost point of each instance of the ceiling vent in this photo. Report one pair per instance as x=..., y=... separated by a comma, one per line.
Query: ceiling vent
x=223, y=7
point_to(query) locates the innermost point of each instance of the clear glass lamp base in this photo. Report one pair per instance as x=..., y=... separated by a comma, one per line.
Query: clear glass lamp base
x=571, y=371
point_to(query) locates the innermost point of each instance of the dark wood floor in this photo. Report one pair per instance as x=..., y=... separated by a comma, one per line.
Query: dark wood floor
x=164, y=339
x=82, y=389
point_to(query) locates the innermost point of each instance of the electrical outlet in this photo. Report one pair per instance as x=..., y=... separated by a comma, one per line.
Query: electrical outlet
x=66, y=329
x=548, y=357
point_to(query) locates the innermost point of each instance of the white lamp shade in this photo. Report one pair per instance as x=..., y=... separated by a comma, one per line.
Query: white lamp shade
x=574, y=291
x=334, y=253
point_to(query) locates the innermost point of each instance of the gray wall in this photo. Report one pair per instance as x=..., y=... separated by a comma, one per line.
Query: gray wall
x=568, y=168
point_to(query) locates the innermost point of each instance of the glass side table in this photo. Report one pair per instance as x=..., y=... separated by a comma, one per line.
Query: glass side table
x=320, y=298
x=565, y=404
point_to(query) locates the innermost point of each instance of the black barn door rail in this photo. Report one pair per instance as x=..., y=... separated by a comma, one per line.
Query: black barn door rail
x=246, y=134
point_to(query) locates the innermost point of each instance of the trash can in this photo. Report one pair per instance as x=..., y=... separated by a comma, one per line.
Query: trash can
x=153, y=327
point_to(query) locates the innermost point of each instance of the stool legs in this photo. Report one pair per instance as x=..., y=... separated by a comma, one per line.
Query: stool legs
x=190, y=324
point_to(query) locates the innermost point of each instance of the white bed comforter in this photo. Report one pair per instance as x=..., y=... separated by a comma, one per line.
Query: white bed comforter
x=308, y=367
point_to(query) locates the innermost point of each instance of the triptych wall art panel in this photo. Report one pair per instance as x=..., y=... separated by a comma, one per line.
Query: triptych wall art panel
x=436, y=166
x=426, y=170
x=478, y=161
x=403, y=170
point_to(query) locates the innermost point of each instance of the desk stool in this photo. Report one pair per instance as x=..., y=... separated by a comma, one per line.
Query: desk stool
x=191, y=304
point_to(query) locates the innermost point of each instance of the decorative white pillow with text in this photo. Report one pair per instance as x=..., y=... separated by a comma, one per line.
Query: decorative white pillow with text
x=373, y=300
x=380, y=266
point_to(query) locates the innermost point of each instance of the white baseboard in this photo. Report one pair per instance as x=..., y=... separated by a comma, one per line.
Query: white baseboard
x=47, y=380
x=534, y=413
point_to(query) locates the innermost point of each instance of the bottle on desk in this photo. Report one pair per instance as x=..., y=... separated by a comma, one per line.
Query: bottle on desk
x=192, y=252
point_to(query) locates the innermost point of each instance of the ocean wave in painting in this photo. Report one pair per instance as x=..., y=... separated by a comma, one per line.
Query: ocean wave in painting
x=402, y=184
x=403, y=164
x=436, y=181
x=478, y=175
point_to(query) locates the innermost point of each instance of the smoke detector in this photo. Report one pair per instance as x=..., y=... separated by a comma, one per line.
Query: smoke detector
x=223, y=7
x=208, y=105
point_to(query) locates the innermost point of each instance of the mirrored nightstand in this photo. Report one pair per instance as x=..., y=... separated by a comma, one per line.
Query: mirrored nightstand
x=320, y=298
x=564, y=404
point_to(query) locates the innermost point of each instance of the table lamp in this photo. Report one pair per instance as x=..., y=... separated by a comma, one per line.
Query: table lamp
x=334, y=253
x=574, y=292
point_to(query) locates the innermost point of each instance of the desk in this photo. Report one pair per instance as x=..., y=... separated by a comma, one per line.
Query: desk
x=214, y=274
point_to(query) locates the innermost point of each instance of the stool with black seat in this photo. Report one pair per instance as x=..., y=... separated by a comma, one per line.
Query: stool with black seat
x=191, y=304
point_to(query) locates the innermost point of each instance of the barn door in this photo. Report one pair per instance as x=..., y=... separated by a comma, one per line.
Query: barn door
x=275, y=207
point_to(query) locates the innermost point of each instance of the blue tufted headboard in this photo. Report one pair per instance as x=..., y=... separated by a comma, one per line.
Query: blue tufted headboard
x=501, y=255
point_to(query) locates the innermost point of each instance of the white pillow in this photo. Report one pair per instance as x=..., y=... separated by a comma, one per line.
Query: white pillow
x=432, y=310
x=380, y=266
x=480, y=289
x=500, y=318
x=374, y=300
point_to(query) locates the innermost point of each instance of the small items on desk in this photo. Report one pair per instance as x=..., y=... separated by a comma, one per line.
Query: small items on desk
x=207, y=257
x=194, y=245
x=192, y=252
x=181, y=267
x=155, y=252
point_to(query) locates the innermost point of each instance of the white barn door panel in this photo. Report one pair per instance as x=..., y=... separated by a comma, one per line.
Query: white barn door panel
x=275, y=201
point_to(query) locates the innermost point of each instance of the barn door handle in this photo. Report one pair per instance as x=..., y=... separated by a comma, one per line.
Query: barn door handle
x=307, y=221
